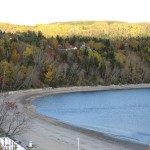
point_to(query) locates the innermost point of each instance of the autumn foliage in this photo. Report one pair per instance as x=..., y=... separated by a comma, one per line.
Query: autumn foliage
x=74, y=54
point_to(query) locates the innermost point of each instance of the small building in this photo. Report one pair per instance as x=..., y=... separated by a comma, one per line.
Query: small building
x=71, y=47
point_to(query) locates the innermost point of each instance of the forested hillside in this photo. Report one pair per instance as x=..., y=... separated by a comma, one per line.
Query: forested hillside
x=100, y=29
x=74, y=54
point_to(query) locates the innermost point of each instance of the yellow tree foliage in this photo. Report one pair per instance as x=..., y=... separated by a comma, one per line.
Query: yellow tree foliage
x=120, y=58
x=54, y=42
x=95, y=58
x=15, y=57
x=7, y=73
x=2, y=52
x=23, y=71
x=30, y=50
x=49, y=74
x=109, y=29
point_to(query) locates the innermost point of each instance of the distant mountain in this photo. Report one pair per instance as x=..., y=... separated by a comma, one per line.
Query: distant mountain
x=103, y=29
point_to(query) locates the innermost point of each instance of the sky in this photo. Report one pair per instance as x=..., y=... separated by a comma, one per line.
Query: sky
x=31, y=12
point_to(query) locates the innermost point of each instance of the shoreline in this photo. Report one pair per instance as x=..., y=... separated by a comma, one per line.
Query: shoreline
x=25, y=99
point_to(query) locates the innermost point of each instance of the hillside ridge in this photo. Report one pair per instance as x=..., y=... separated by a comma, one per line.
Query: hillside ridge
x=102, y=29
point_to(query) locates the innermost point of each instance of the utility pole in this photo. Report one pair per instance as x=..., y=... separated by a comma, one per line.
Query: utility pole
x=78, y=142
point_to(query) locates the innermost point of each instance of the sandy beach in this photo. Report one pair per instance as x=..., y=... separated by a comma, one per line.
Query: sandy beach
x=49, y=134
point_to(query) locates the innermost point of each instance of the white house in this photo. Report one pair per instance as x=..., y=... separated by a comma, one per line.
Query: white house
x=8, y=144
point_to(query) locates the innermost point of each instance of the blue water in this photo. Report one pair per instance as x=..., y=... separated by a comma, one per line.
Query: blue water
x=123, y=113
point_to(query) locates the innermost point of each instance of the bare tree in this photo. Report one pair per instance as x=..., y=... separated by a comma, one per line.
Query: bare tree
x=12, y=120
x=3, y=110
x=16, y=123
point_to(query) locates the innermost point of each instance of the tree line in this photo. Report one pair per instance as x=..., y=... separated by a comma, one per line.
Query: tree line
x=31, y=60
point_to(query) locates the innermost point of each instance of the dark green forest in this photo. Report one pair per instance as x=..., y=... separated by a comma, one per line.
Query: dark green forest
x=30, y=59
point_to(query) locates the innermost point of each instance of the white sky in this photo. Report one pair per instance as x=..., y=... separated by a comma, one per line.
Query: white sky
x=31, y=12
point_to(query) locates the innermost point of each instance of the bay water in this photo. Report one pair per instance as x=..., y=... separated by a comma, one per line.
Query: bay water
x=122, y=114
